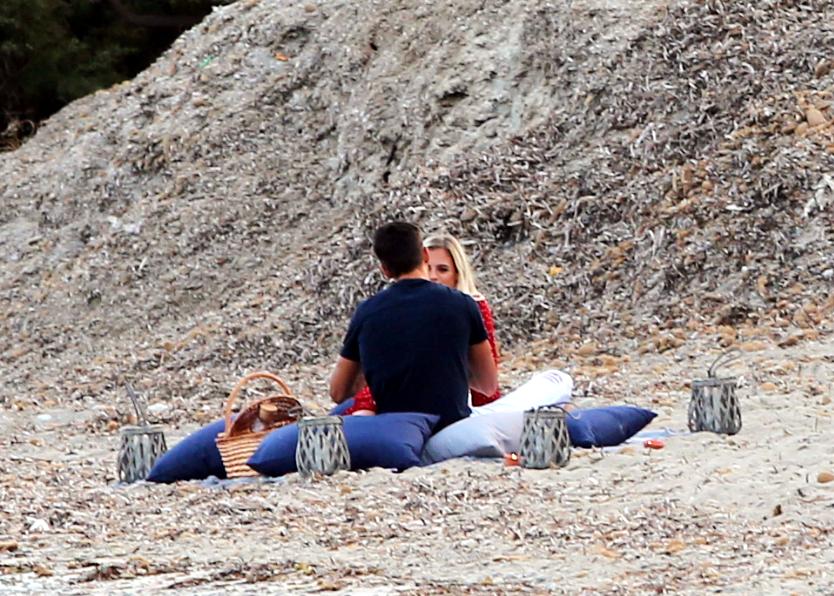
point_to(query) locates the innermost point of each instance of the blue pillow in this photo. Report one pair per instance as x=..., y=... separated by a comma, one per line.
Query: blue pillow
x=340, y=409
x=194, y=458
x=393, y=440
x=606, y=427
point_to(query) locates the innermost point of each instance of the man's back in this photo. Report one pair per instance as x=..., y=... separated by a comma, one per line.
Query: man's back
x=412, y=340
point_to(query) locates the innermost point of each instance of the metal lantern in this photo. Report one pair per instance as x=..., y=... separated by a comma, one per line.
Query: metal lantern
x=544, y=439
x=141, y=445
x=714, y=405
x=322, y=448
x=140, y=448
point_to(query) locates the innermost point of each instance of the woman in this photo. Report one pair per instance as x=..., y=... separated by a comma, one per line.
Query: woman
x=448, y=265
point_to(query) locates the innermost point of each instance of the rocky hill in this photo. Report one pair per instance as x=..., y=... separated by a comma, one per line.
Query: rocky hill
x=626, y=173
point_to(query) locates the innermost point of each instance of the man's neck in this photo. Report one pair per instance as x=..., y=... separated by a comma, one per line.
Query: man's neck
x=419, y=273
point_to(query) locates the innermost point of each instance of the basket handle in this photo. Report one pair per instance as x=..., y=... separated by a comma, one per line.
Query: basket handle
x=230, y=402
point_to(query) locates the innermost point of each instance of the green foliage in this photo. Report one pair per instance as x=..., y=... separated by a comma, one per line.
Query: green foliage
x=54, y=51
x=27, y=31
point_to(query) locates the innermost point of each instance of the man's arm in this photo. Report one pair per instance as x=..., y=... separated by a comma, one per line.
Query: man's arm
x=346, y=380
x=483, y=375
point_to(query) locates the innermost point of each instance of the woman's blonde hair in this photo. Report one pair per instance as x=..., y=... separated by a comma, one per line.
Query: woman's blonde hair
x=466, y=277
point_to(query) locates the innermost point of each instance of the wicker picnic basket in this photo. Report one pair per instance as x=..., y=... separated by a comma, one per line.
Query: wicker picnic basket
x=242, y=435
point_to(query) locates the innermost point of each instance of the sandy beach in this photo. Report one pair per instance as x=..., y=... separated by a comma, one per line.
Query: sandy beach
x=751, y=513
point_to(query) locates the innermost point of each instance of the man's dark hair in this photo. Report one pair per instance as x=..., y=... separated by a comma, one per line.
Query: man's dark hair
x=399, y=247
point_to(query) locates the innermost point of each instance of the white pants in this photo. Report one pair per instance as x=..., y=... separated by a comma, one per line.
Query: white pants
x=546, y=388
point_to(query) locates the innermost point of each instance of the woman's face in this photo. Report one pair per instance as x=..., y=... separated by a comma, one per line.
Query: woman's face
x=442, y=268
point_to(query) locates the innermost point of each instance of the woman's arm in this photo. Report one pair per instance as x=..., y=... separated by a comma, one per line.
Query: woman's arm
x=489, y=323
x=478, y=398
x=483, y=376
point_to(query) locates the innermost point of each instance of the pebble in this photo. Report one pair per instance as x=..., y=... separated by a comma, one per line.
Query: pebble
x=157, y=409
x=8, y=545
x=814, y=117
x=39, y=525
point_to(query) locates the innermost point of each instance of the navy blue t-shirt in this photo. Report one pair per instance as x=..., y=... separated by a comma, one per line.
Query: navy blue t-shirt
x=412, y=340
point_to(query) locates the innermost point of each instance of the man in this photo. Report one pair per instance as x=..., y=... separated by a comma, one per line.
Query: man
x=417, y=344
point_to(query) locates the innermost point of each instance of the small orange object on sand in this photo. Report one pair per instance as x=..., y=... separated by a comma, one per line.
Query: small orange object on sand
x=653, y=444
x=511, y=459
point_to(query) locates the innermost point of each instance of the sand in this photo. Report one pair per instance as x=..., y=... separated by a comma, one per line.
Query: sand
x=742, y=514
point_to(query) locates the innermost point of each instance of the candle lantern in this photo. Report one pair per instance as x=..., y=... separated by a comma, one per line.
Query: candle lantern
x=714, y=405
x=140, y=445
x=321, y=448
x=544, y=438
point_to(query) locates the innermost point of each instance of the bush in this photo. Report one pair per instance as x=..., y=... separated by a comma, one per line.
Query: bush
x=54, y=51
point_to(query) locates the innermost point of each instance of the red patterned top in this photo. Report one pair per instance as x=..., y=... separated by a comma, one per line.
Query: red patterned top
x=363, y=400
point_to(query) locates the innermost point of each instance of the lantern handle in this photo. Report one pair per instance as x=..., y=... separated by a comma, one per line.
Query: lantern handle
x=724, y=360
x=307, y=413
x=550, y=407
x=141, y=414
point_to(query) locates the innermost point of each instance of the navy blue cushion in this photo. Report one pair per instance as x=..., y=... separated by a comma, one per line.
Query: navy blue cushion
x=341, y=408
x=606, y=427
x=393, y=440
x=194, y=458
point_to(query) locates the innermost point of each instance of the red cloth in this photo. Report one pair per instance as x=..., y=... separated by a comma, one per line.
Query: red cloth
x=363, y=400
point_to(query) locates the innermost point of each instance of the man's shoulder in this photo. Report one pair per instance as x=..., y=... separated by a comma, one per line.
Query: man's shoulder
x=427, y=293
x=367, y=304
x=440, y=288
x=373, y=303
x=453, y=294
x=450, y=297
